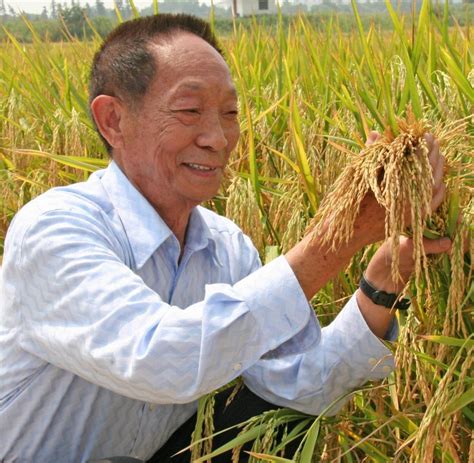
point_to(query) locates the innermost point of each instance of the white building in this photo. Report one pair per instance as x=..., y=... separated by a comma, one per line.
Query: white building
x=254, y=7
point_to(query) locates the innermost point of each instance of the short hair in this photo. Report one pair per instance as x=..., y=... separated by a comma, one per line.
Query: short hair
x=124, y=66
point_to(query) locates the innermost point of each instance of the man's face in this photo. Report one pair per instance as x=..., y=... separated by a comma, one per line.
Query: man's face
x=176, y=144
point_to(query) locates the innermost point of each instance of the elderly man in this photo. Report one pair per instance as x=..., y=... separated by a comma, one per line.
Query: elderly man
x=124, y=301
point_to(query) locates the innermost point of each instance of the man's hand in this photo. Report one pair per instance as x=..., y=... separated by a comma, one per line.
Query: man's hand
x=378, y=274
x=315, y=264
x=378, y=270
x=371, y=221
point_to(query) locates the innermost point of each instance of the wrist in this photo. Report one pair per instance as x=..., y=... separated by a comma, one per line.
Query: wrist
x=381, y=297
x=379, y=270
x=383, y=281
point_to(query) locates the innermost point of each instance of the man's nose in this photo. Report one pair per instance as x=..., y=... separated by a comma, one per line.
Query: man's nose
x=212, y=135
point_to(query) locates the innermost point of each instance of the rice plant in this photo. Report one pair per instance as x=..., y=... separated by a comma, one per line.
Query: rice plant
x=309, y=97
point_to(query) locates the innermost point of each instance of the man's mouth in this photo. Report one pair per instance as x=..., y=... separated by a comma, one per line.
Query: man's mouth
x=200, y=167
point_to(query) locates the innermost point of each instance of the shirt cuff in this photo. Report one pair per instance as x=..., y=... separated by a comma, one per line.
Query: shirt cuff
x=277, y=302
x=392, y=332
x=371, y=355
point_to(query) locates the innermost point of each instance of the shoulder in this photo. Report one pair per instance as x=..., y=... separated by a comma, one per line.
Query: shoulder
x=80, y=206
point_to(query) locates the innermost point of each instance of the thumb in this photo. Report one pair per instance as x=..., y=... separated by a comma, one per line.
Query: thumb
x=437, y=246
x=372, y=138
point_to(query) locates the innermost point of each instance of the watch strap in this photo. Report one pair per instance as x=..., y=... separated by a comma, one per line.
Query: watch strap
x=389, y=300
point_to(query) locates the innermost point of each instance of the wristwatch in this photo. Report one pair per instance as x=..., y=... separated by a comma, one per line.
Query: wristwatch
x=389, y=300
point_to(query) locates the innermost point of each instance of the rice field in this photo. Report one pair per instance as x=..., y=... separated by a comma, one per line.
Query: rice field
x=309, y=97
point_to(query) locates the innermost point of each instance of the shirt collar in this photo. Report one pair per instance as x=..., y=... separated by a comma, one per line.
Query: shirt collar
x=146, y=230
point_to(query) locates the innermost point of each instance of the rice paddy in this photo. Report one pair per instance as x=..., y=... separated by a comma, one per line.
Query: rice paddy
x=309, y=98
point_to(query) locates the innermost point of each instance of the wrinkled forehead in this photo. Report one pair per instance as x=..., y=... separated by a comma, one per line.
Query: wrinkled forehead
x=186, y=56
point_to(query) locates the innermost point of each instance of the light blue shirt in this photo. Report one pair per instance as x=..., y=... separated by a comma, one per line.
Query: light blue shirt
x=107, y=338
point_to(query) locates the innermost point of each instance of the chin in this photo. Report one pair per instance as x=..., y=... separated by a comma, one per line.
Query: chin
x=196, y=200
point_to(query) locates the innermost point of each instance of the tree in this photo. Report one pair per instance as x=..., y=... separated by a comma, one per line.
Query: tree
x=88, y=10
x=44, y=13
x=54, y=12
x=100, y=8
x=74, y=19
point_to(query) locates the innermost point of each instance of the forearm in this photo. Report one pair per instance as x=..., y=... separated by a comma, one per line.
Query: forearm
x=378, y=318
x=379, y=275
x=315, y=263
x=314, y=266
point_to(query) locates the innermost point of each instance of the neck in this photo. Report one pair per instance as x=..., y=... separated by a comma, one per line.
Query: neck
x=177, y=223
x=174, y=211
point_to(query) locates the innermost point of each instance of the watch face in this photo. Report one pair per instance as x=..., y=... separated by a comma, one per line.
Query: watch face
x=403, y=304
x=383, y=298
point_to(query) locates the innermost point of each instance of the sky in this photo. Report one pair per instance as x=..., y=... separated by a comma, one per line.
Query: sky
x=36, y=6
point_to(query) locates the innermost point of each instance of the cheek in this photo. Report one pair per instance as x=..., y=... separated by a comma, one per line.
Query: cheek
x=169, y=145
x=233, y=136
x=177, y=134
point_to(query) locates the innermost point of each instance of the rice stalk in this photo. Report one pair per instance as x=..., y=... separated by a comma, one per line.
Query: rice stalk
x=201, y=439
x=308, y=93
x=243, y=207
x=397, y=171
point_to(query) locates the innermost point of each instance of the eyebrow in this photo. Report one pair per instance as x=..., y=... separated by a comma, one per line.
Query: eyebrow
x=196, y=86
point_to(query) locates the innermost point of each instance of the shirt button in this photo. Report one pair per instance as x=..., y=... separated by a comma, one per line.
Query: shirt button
x=372, y=361
x=386, y=369
x=237, y=367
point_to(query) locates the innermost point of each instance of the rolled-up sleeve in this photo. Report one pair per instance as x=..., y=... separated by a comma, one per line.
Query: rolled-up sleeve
x=346, y=356
x=83, y=310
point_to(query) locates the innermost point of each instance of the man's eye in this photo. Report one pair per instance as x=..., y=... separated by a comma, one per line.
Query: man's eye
x=233, y=113
x=187, y=111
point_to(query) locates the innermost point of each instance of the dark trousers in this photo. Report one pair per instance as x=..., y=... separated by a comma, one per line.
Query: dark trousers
x=242, y=407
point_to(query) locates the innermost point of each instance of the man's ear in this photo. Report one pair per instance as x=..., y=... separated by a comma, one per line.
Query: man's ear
x=107, y=112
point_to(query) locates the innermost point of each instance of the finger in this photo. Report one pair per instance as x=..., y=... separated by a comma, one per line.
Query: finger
x=433, y=149
x=437, y=246
x=430, y=139
x=438, y=197
x=372, y=138
x=436, y=159
x=434, y=154
x=438, y=171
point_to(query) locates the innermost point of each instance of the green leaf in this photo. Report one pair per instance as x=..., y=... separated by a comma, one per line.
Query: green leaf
x=271, y=458
x=449, y=341
x=118, y=13
x=136, y=13
x=310, y=442
x=460, y=402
